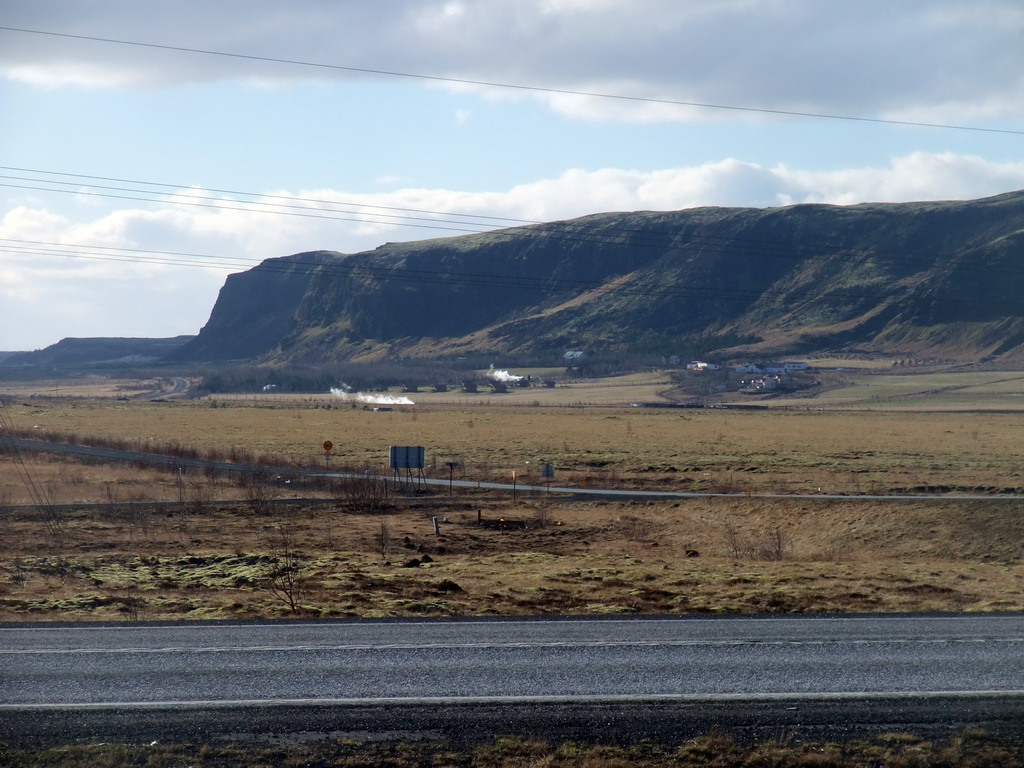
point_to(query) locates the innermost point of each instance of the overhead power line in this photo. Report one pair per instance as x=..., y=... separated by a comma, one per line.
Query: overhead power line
x=362, y=267
x=256, y=206
x=547, y=285
x=513, y=86
x=571, y=232
x=176, y=188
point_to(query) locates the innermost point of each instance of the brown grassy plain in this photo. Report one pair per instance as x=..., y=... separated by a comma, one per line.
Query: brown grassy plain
x=893, y=750
x=216, y=557
x=792, y=451
x=717, y=751
x=589, y=558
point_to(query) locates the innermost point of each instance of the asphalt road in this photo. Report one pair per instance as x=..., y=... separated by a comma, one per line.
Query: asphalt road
x=111, y=454
x=646, y=675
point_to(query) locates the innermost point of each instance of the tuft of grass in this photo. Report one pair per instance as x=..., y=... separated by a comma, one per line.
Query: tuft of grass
x=898, y=750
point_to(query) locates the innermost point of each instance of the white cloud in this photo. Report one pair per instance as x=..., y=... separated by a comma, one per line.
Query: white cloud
x=945, y=60
x=46, y=296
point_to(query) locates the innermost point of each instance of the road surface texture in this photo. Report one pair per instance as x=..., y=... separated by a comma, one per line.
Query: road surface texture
x=463, y=681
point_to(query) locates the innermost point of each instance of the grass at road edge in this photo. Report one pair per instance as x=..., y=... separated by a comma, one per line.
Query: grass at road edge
x=894, y=750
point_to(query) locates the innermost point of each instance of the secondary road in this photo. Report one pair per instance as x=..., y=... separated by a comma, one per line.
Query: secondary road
x=965, y=669
x=112, y=454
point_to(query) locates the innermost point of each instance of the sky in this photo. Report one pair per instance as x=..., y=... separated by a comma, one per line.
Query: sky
x=148, y=149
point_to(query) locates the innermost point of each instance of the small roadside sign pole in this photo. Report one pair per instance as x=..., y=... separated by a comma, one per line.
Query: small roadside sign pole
x=513, y=486
x=452, y=466
x=328, y=445
x=549, y=473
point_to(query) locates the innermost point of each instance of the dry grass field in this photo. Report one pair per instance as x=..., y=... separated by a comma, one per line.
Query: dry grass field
x=161, y=545
x=890, y=749
x=974, y=391
x=791, y=451
x=223, y=560
x=84, y=387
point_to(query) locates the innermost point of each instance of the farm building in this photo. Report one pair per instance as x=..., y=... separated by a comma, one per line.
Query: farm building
x=772, y=367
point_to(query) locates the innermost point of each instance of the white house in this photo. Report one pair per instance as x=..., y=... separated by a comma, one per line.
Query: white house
x=763, y=384
x=796, y=366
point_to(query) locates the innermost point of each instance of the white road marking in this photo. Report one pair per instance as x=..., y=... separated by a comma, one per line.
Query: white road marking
x=511, y=645
x=568, y=699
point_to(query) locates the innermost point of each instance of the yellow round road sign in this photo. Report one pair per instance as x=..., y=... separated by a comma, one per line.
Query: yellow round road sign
x=328, y=445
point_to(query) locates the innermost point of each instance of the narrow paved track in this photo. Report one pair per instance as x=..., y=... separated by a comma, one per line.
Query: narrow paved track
x=111, y=454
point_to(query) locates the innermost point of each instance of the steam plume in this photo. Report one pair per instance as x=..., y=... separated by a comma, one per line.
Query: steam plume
x=504, y=376
x=345, y=393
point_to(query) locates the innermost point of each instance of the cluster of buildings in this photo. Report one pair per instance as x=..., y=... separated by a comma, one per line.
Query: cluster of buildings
x=762, y=368
x=767, y=376
x=770, y=368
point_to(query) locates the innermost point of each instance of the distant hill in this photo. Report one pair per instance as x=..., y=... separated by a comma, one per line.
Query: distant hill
x=912, y=278
x=97, y=351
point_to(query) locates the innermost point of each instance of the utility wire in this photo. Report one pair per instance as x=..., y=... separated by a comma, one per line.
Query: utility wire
x=221, y=205
x=572, y=231
x=512, y=86
x=499, y=220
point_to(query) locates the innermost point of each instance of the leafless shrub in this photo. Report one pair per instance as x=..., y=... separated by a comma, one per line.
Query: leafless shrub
x=737, y=545
x=635, y=528
x=59, y=568
x=362, y=492
x=198, y=496
x=135, y=514
x=260, y=491
x=111, y=493
x=132, y=607
x=18, y=571
x=383, y=539
x=773, y=545
x=286, y=578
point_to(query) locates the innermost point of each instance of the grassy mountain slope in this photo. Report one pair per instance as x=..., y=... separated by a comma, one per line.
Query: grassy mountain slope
x=98, y=351
x=925, y=276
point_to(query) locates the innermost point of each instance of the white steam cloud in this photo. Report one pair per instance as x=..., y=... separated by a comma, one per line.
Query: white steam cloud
x=345, y=393
x=504, y=376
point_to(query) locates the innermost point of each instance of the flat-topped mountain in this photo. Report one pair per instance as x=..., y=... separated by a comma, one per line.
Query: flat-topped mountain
x=912, y=278
x=74, y=352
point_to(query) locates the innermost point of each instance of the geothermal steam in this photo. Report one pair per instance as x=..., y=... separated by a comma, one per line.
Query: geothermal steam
x=504, y=376
x=346, y=394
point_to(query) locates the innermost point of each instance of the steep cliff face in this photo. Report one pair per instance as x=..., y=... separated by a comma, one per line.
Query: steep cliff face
x=255, y=309
x=926, y=275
